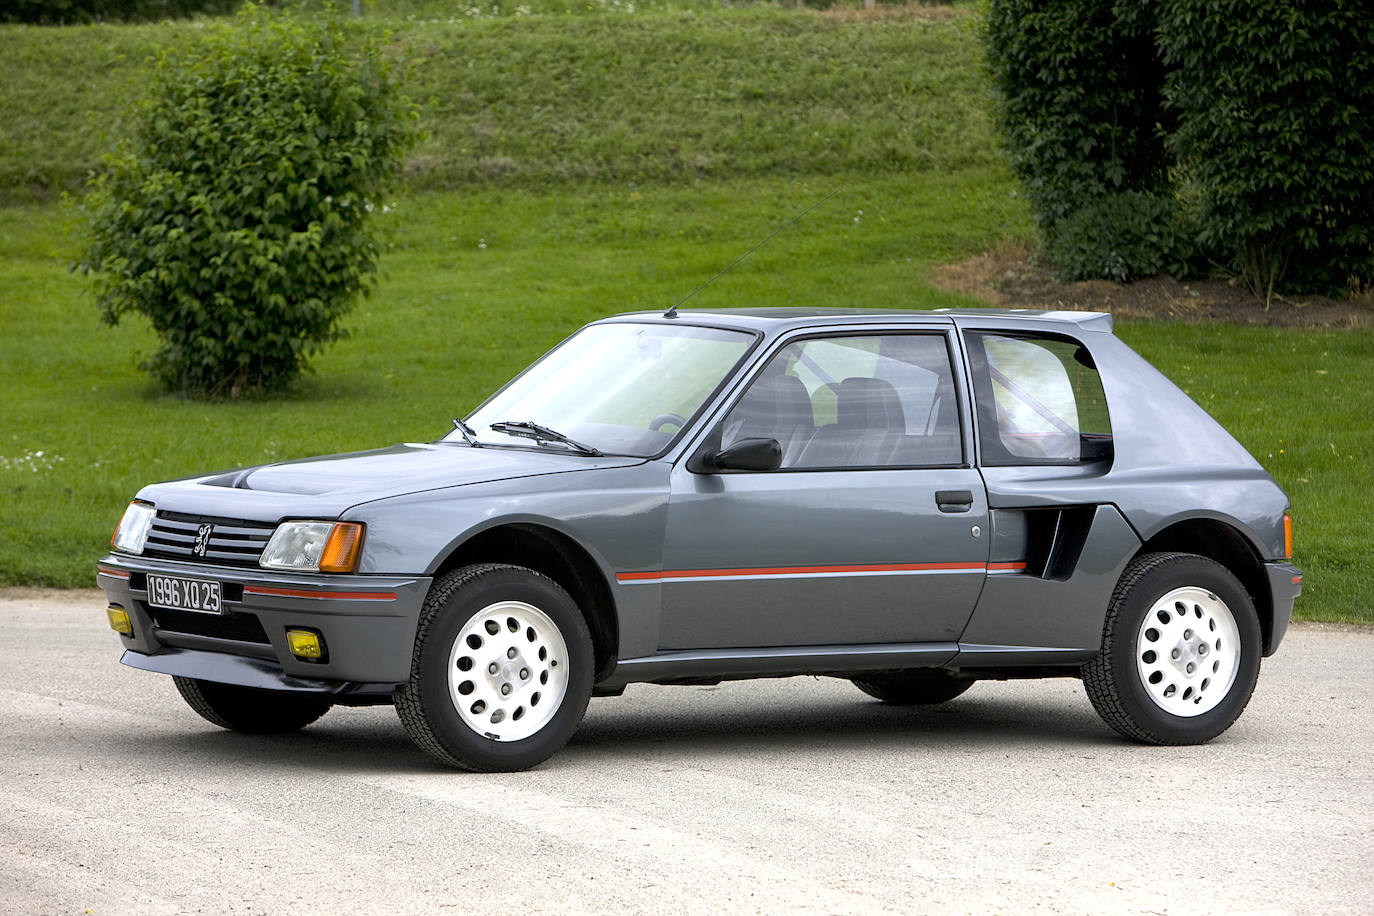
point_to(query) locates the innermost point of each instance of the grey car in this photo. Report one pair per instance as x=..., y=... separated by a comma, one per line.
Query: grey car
x=911, y=500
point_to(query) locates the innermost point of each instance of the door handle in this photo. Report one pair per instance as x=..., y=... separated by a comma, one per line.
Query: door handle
x=954, y=500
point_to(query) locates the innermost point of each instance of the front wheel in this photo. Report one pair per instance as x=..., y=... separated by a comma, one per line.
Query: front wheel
x=502, y=670
x=1180, y=651
x=249, y=709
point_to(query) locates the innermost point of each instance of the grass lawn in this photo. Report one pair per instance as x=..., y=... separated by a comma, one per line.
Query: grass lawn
x=532, y=101
x=582, y=163
x=480, y=283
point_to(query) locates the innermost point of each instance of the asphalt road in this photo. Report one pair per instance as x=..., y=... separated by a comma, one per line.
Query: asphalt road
x=799, y=795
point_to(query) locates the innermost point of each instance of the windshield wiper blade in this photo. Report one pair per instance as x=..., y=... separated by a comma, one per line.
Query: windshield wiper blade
x=540, y=434
x=467, y=432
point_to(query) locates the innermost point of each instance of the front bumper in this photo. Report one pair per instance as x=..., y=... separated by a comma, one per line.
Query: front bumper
x=1285, y=585
x=367, y=623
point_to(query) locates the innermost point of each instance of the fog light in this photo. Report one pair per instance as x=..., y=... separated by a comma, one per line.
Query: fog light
x=119, y=620
x=305, y=644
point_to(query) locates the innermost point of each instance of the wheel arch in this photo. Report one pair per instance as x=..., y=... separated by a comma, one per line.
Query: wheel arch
x=558, y=556
x=1226, y=544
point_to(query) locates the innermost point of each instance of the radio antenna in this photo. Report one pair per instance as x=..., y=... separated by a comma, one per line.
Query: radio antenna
x=672, y=312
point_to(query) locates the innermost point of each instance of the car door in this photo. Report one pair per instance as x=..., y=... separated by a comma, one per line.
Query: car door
x=871, y=530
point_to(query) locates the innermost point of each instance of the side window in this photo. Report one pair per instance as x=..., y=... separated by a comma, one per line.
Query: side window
x=1039, y=401
x=871, y=401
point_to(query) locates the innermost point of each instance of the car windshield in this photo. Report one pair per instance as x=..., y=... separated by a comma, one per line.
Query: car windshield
x=620, y=389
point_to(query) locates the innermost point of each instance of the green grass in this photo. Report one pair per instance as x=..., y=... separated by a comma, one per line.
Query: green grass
x=454, y=319
x=598, y=161
x=543, y=100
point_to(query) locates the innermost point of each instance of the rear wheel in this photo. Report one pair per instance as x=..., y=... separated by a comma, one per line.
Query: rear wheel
x=1180, y=651
x=249, y=709
x=912, y=688
x=502, y=670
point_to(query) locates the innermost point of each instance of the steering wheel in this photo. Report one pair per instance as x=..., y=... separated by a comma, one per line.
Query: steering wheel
x=665, y=419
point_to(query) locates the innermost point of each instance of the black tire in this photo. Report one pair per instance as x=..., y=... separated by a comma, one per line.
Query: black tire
x=1182, y=706
x=249, y=709
x=912, y=688
x=480, y=617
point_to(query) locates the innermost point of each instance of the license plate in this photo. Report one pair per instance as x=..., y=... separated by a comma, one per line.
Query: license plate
x=180, y=594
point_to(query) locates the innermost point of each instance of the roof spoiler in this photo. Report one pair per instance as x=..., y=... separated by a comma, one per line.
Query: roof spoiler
x=1088, y=321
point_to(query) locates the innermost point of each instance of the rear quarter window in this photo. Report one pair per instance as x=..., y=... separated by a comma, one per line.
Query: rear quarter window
x=1039, y=400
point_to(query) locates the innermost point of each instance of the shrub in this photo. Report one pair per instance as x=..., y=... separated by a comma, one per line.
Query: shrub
x=65, y=12
x=1123, y=236
x=237, y=215
x=1080, y=83
x=1276, y=102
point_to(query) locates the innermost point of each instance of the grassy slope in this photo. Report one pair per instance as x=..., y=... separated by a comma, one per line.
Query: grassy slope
x=531, y=102
x=453, y=318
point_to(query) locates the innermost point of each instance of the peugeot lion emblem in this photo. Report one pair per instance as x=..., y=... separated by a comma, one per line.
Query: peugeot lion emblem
x=202, y=543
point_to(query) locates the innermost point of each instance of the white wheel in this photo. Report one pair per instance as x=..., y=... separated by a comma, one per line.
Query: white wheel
x=508, y=671
x=502, y=669
x=1188, y=651
x=1181, y=647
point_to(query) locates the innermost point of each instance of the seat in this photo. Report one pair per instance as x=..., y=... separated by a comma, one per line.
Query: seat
x=777, y=407
x=868, y=431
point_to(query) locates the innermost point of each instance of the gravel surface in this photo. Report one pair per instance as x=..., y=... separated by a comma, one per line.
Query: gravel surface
x=798, y=795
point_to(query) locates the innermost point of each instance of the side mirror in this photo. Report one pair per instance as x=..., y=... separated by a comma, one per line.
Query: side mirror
x=745, y=455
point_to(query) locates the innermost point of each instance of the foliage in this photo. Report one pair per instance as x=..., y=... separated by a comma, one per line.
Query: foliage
x=1080, y=83
x=61, y=12
x=1123, y=236
x=1258, y=110
x=236, y=217
x=1276, y=132
x=543, y=101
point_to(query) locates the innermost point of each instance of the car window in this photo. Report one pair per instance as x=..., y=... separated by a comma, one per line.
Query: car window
x=882, y=400
x=622, y=388
x=1040, y=401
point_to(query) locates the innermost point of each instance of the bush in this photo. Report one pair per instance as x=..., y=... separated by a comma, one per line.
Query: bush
x=66, y=12
x=1081, y=84
x=1123, y=237
x=237, y=215
x=1276, y=133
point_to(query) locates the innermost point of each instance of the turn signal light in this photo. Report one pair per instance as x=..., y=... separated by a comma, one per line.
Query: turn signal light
x=119, y=620
x=1288, y=535
x=305, y=644
x=342, y=549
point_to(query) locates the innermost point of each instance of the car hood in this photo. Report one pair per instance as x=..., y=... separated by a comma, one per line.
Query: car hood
x=328, y=485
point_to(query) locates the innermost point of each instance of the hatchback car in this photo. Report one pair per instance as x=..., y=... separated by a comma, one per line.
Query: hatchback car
x=911, y=500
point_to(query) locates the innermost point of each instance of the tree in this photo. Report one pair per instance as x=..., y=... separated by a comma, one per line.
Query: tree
x=237, y=214
x=1276, y=135
x=1164, y=136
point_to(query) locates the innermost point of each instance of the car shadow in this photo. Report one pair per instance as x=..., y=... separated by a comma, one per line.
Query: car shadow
x=860, y=724
x=374, y=740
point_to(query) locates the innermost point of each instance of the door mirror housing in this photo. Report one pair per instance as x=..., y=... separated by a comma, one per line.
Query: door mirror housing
x=744, y=455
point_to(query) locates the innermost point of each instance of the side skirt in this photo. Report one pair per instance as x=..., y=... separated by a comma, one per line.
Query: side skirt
x=710, y=666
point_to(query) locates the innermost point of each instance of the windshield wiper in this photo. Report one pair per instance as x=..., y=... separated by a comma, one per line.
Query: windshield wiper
x=540, y=434
x=467, y=432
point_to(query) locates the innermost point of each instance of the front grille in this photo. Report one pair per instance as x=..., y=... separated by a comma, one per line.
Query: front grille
x=231, y=625
x=232, y=541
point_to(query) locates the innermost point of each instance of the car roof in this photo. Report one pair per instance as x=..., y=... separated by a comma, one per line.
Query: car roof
x=777, y=319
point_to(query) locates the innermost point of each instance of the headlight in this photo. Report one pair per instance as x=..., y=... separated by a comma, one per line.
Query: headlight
x=132, y=532
x=324, y=546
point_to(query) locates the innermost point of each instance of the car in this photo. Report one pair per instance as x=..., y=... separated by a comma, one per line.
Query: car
x=910, y=500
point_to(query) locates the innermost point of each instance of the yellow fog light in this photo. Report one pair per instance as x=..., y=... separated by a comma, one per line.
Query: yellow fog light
x=119, y=620
x=305, y=644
